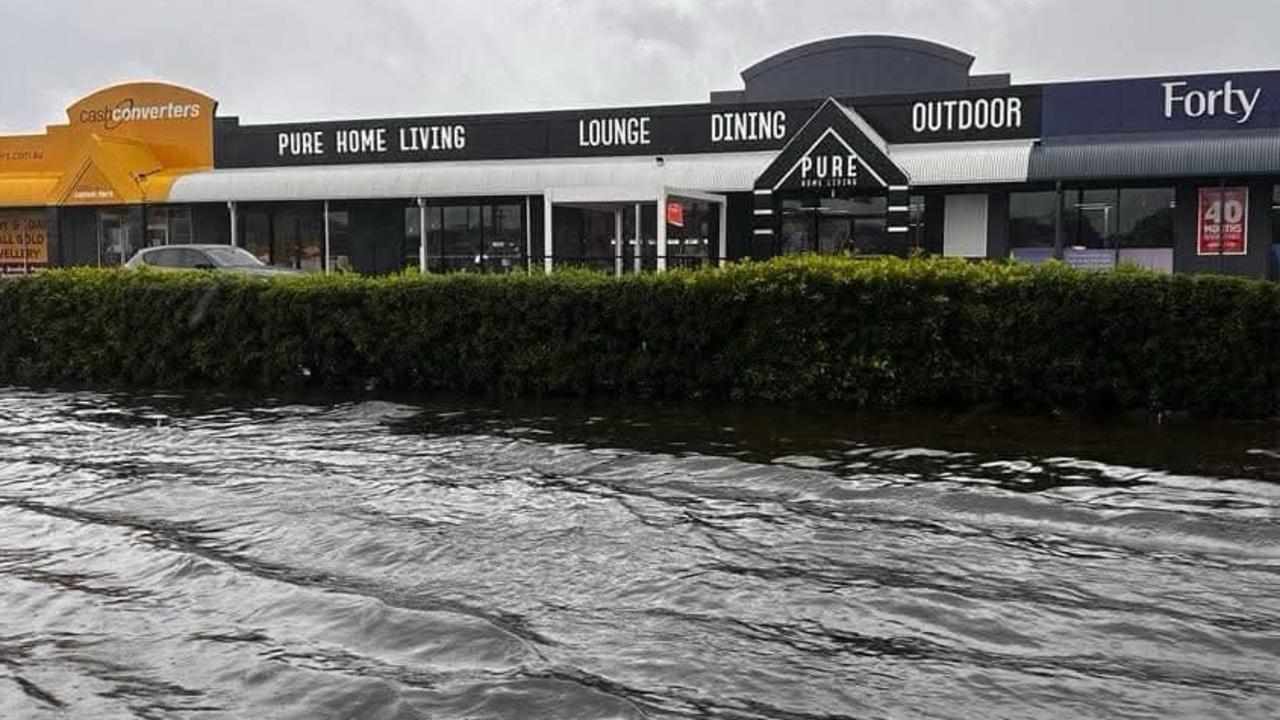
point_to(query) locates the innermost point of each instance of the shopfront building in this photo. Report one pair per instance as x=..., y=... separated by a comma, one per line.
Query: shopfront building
x=863, y=145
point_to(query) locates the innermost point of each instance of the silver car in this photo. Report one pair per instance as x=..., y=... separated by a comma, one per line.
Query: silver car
x=220, y=258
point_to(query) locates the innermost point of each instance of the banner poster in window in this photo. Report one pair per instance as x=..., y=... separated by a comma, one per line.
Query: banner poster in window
x=24, y=242
x=675, y=214
x=1223, y=221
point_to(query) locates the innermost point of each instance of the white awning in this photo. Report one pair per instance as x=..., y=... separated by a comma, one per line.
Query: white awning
x=599, y=179
x=610, y=178
x=967, y=163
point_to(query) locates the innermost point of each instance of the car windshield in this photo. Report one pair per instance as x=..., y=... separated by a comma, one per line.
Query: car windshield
x=232, y=257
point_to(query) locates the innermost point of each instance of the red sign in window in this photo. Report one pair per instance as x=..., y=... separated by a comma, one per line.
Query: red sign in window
x=675, y=214
x=1224, y=221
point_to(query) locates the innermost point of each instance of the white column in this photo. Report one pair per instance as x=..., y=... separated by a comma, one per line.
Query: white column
x=662, y=231
x=421, y=235
x=328, y=252
x=548, y=242
x=724, y=233
x=235, y=231
x=619, y=243
x=528, y=234
x=639, y=253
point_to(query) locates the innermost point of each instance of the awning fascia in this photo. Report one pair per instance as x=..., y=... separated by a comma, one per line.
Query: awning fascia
x=965, y=163
x=637, y=179
x=1157, y=156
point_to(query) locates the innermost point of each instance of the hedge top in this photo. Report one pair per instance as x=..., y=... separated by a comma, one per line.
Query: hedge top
x=885, y=332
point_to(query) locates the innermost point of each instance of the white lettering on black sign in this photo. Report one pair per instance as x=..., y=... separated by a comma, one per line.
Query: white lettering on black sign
x=613, y=132
x=368, y=140
x=1228, y=100
x=827, y=171
x=296, y=144
x=937, y=116
x=748, y=126
x=433, y=138
x=372, y=141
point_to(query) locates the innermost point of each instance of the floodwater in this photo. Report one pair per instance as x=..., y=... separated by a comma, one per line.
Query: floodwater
x=211, y=557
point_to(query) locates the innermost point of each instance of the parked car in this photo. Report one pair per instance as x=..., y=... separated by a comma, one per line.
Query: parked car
x=219, y=258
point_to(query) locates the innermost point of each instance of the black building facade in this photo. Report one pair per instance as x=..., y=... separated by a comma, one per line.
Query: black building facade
x=864, y=145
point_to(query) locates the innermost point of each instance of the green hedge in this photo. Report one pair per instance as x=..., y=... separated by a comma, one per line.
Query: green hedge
x=884, y=332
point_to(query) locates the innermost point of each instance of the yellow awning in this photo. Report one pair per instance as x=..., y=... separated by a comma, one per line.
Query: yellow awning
x=26, y=190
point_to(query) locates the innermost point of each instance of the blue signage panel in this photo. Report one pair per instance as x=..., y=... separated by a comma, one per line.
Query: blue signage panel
x=1244, y=101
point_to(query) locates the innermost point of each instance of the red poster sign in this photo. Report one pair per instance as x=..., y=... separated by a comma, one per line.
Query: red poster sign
x=675, y=214
x=1223, y=221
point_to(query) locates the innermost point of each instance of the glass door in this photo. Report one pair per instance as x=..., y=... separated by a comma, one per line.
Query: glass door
x=115, y=247
x=855, y=225
x=1093, y=246
x=835, y=232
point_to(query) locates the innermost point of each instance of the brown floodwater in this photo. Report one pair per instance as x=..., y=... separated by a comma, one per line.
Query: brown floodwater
x=197, y=556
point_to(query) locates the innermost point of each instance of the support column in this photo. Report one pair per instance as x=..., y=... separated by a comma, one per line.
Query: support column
x=639, y=250
x=328, y=245
x=271, y=236
x=619, y=243
x=528, y=234
x=548, y=240
x=724, y=233
x=422, y=236
x=235, y=225
x=1058, y=235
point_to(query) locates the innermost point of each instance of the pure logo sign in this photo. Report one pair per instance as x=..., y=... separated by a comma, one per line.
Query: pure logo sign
x=1228, y=100
x=829, y=171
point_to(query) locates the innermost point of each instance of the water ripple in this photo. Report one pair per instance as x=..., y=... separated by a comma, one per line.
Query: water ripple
x=216, y=557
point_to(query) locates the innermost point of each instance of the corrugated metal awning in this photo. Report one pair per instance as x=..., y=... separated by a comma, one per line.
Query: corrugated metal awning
x=1210, y=154
x=968, y=163
x=716, y=173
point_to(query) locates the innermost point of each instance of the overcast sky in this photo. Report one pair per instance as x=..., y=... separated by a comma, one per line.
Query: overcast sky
x=279, y=60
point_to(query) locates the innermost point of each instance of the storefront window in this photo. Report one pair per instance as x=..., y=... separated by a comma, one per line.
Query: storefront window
x=1274, y=271
x=1100, y=227
x=339, y=241
x=168, y=226
x=1110, y=226
x=1275, y=215
x=690, y=245
x=310, y=240
x=1091, y=217
x=648, y=251
x=504, y=240
x=255, y=233
x=411, y=243
x=916, y=222
x=460, y=239
x=870, y=234
x=857, y=226
x=1032, y=220
x=797, y=228
x=1146, y=218
x=468, y=237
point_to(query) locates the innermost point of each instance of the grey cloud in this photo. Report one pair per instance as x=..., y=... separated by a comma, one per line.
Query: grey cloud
x=272, y=60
